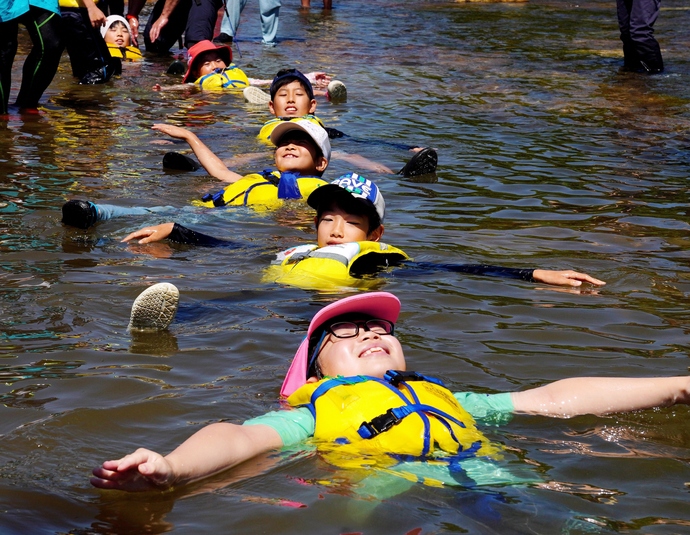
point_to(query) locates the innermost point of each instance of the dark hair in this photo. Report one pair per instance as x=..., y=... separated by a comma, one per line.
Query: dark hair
x=286, y=76
x=351, y=205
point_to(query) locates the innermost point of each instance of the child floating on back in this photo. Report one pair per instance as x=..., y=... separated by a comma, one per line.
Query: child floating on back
x=292, y=99
x=348, y=250
x=301, y=157
x=395, y=420
x=210, y=67
x=117, y=34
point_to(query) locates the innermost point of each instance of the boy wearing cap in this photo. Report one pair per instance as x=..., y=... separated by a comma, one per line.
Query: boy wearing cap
x=301, y=157
x=351, y=353
x=292, y=97
x=349, y=227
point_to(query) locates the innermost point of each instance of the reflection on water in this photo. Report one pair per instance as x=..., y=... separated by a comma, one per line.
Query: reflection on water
x=547, y=157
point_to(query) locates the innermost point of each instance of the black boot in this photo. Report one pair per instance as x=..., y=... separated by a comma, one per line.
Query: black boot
x=179, y=162
x=423, y=162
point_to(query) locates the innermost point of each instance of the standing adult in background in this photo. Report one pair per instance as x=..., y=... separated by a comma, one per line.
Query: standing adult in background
x=42, y=21
x=268, y=13
x=641, y=50
x=171, y=18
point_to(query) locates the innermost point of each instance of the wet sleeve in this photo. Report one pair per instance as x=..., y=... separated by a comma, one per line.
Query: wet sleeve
x=293, y=426
x=487, y=409
x=181, y=234
x=473, y=269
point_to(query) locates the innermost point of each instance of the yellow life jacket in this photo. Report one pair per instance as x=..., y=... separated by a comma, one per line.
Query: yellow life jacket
x=231, y=77
x=262, y=190
x=267, y=128
x=333, y=266
x=74, y=3
x=367, y=421
x=128, y=53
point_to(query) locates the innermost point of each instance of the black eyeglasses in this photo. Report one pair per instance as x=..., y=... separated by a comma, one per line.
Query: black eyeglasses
x=350, y=329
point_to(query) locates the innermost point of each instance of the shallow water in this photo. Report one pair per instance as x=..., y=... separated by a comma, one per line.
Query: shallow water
x=548, y=157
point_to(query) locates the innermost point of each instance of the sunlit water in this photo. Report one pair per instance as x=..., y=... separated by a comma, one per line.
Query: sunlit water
x=548, y=157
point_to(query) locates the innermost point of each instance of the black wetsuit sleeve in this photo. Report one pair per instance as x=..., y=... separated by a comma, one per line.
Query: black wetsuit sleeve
x=181, y=234
x=473, y=269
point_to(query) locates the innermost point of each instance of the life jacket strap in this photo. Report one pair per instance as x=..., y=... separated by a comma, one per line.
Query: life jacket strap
x=384, y=421
x=217, y=198
x=395, y=377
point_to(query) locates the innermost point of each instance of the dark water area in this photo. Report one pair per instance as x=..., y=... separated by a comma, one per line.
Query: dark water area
x=548, y=157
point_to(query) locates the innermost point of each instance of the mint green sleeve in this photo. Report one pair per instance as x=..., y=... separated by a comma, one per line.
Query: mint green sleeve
x=487, y=409
x=293, y=425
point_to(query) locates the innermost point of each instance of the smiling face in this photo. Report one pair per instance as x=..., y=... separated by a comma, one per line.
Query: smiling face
x=368, y=353
x=209, y=62
x=334, y=225
x=296, y=151
x=118, y=34
x=292, y=100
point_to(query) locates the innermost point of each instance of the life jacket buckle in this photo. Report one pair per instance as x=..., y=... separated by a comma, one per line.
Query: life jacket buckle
x=216, y=198
x=378, y=425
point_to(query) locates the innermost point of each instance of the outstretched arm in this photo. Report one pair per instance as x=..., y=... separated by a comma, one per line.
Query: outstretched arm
x=210, y=450
x=177, y=233
x=213, y=165
x=564, y=278
x=561, y=278
x=602, y=395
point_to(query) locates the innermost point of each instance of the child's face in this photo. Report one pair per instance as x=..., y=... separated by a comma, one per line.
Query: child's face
x=292, y=100
x=118, y=34
x=298, y=153
x=209, y=62
x=335, y=226
x=368, y=353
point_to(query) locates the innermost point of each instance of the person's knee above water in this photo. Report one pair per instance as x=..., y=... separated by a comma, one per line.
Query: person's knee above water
x=351, y=348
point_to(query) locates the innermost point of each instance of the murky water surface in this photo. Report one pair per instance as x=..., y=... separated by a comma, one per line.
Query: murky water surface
x=548, y=157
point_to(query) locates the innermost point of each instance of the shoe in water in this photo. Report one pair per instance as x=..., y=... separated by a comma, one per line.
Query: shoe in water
x=93, y=78
x=337, y=92
x=155, y=308
x=254, y=95
x=423, y=162
x=179, y=162
x=80, y=214
x=177, y=67
x=223, y=38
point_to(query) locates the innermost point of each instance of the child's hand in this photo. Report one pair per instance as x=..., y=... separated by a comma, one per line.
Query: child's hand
x=564, y=278
x=151, y=234
x=96, y=16
x=318, y=79
x=137, y=472
x=174, y=131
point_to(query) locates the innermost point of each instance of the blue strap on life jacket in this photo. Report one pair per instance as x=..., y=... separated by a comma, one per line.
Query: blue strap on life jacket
x=228, y=82
x=287, y=187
